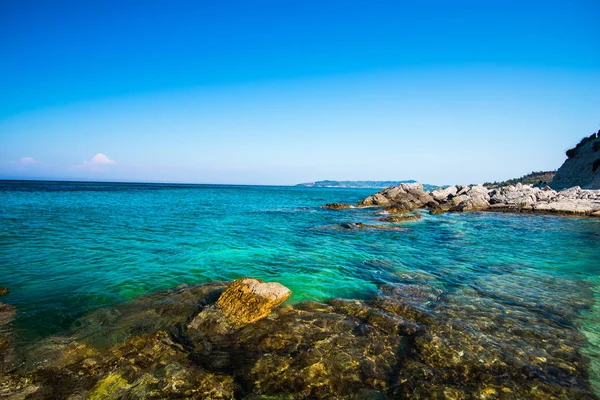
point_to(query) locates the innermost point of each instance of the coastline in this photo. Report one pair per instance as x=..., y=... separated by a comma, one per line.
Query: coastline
x=517, y=198
x=445, y=313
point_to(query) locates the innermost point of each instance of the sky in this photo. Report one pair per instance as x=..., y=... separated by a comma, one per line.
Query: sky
x=276, y=92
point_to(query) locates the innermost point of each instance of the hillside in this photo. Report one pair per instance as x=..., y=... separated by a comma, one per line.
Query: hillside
x=582, y=166
x=539, y=178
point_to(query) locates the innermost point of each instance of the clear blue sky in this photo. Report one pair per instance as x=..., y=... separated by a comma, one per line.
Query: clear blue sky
x=277, y=92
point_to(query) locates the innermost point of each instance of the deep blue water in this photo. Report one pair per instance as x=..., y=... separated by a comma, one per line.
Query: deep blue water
x=68, y=248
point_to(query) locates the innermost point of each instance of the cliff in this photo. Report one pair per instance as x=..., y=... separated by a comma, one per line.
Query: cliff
x=582, y=167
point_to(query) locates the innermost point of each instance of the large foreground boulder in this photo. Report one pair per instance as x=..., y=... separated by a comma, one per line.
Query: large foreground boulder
x=247, y=300
x=243, y=302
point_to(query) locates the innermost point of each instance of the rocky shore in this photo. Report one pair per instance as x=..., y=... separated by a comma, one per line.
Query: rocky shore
x=518, y=198
x=413, y=339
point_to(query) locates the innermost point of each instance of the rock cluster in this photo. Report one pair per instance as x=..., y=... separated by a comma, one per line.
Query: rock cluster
x=413, y=339
x=515, y=198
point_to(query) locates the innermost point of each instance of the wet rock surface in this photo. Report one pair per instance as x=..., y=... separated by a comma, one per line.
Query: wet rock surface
x=415, y=338
x=463, y=198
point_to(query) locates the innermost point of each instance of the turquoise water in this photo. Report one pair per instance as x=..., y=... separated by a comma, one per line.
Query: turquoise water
x=69, y=248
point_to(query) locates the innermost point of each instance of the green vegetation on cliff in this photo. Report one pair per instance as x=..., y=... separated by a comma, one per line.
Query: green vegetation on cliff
x=572, y=152
x=536, y=178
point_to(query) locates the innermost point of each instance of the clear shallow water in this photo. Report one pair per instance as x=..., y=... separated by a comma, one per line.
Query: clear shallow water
x=69, y=248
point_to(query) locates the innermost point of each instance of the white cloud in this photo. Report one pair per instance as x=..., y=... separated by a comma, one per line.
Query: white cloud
x=101, y=159
x=27, y=161
x=99, y=163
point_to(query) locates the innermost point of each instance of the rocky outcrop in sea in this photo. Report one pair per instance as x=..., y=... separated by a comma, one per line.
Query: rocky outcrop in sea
x=515, y=198
x=414, y=338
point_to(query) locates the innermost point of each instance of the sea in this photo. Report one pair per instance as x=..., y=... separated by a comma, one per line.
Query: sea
x=68, y=248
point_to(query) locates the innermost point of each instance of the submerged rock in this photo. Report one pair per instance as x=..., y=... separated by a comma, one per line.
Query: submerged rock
x=400, y=218
x=415, y=338
x=397, y=209
x=360, y=225
x=7, y=314
x=337, y=206
x=3, y=291
x=436, y=210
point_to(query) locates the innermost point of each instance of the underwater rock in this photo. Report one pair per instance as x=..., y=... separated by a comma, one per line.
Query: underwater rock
x=142, y=367
x=414, y=338
x=7, y=314
x=360, y=225
x=147, y=314
x=436, y=210
x=337, y=206
x=385, y=227
x=313, y=351
x=352, y=225
x=400, y=218
x=3, y=291
x=398, y=209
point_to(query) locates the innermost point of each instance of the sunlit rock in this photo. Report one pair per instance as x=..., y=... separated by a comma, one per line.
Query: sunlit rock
x=247, y=300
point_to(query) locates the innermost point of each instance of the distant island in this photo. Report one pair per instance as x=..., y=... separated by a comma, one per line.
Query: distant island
x=360, y=184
